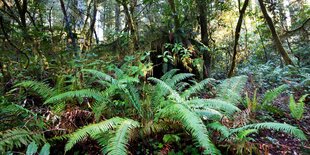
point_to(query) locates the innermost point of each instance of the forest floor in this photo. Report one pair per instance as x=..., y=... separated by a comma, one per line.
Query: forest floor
x=277, y=143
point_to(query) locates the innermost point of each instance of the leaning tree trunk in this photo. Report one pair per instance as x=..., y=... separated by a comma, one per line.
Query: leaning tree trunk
x=275, y=36
x=237, y=35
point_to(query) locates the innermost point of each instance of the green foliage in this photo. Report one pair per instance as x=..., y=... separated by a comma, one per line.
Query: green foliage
x=270, y=95
x=192, y=123
x=251, y=104
x=74, y=94
x=229, y=90
x=40, y=88
x=32, y=148
x=118, y=144
x=297, y=109
x=17, y=138
x=294, y=131
x=92, y=130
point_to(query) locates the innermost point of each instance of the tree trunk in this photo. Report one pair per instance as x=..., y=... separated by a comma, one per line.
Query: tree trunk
x=204, y=36
x=117, y=18
x=237, y=35
x=92, y=24
x=131, y=25
x=68, y=27
x=275, y=36
x=175, y=15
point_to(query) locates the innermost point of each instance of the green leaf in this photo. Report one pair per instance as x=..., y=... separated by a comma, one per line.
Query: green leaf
x=45, y=149
x=32, y=148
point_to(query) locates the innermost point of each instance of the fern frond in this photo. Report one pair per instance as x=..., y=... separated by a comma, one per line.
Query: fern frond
x=118, y=143
x=92, y=130
x=100, y=75
x=270, y=95
x=76, y=93
x=229, y=90
x=192, y=123
x=236, y=84
x=40, y=88
x=209, y=114
x=18, y=137
x=169, y=74
x=177, y=78
x=196, y=88
x=214, y=104
x=133, y=95
x=274, y=126
x=217, y=126
x=175, y=95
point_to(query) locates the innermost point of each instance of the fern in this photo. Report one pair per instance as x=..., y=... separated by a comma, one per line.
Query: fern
x=214, y=104
x=18, y=137
x=177, y=78
x=118, y=143
x=229, y=90
x=133, y=95
x=99, y=75
x=76, y=93
x=192, y=123
x=169, y=74
x=40, y=88
x=270, y=95
x=274, y=126
x=174, y=94
x=196, y=88
x=217, y=126
x=297, y=109
x=92, y=130
x=209, y=114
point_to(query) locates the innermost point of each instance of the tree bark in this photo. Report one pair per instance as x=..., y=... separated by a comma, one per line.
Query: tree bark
x=92, y=24
x=117, y=18
x=204, y=36
x=275, y=36
x=131, y=25
x=237, y=35
x=67, y=25
x=175, y=15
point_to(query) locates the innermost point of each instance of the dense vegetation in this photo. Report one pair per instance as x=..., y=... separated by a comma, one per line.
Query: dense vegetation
x=154, y=77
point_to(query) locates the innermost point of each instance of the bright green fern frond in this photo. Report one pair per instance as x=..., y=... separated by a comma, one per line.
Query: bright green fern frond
x=274, y=126
x=214, y=104
x=229, y=89
x=177, y=78
x=118, y=143
x=92, y=130
x=235, y=84
x=270, y=95
x=40, y=88
x=76, y=93
x=192, y=123
x=196, y=88
x=175, y=95
x=169, y=74
x=209, y=114
x=217, y=126
x=98, y=74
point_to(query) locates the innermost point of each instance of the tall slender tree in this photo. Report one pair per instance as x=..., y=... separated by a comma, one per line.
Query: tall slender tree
x=237, y=35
